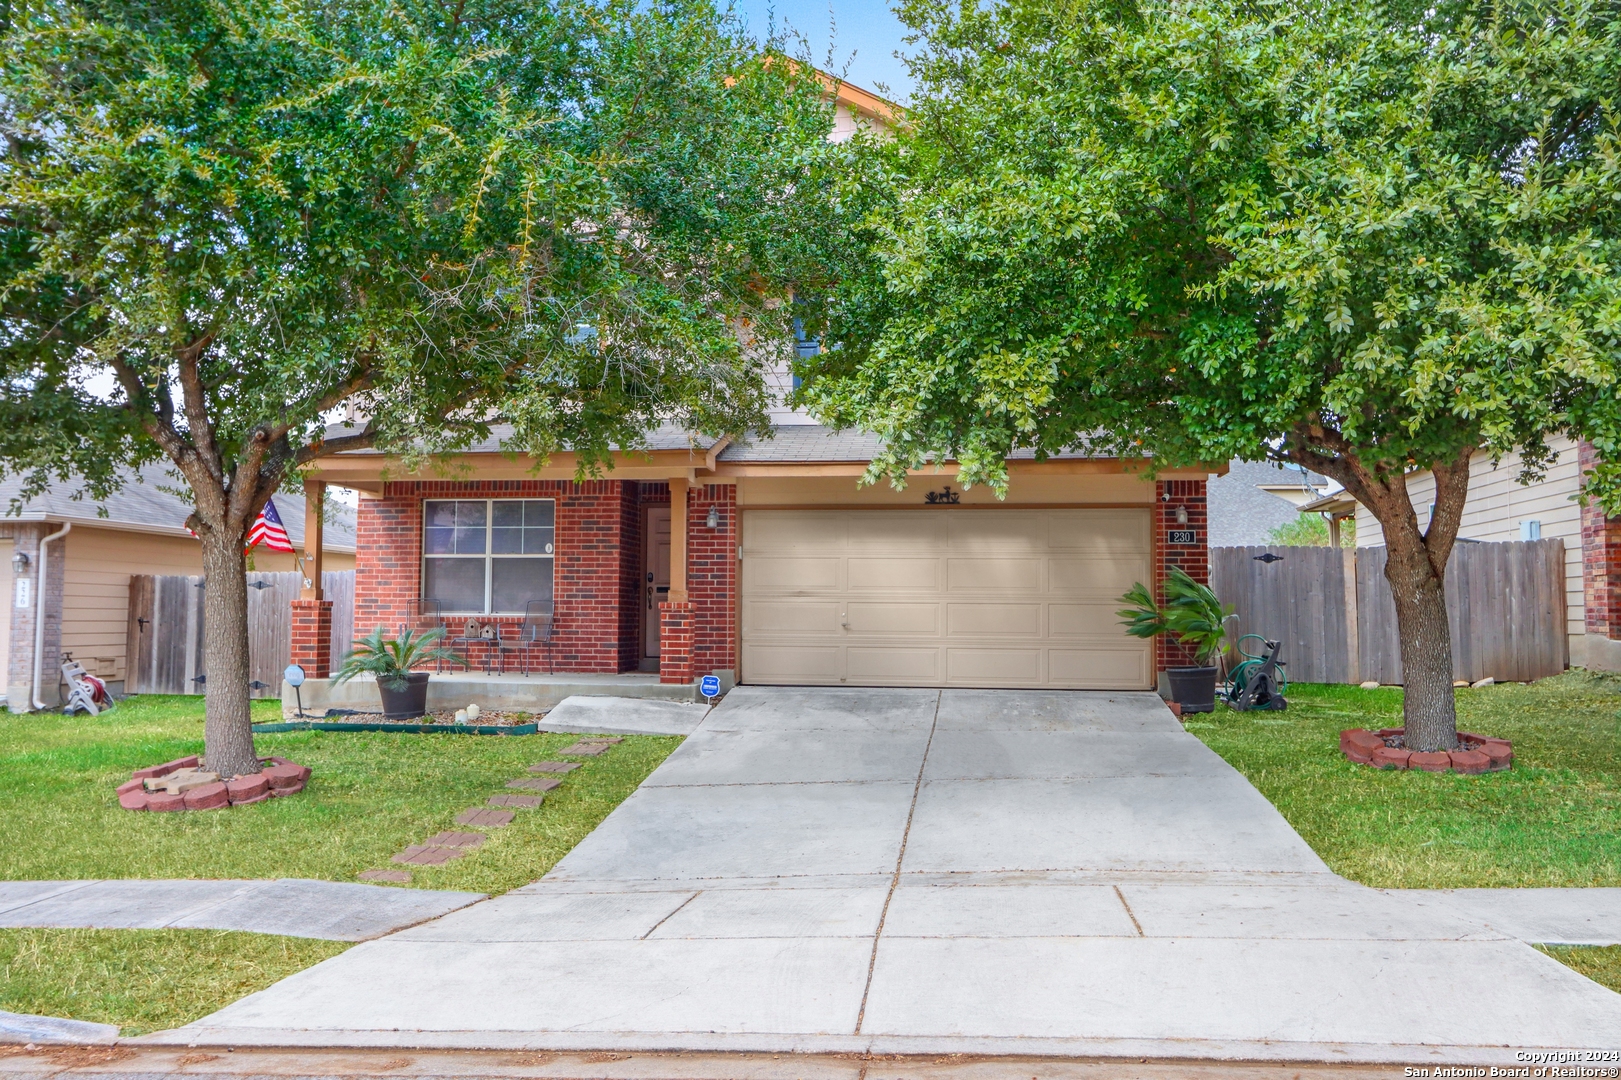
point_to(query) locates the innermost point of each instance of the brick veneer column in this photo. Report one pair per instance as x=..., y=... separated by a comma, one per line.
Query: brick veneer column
x=712, y=578
x=312, y=637
x=675, y=641
x=1193, y=559
x=1601, y=561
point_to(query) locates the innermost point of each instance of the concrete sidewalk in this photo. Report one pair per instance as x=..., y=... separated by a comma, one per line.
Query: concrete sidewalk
x=973, y=872
x=295, y=907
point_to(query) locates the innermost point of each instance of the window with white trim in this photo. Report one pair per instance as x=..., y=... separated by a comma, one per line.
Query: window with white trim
x=487, y=556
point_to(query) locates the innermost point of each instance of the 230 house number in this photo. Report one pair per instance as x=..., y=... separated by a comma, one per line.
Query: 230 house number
x=1182, y=536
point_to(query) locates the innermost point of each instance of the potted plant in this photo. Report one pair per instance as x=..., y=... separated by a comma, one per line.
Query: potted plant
x=404, y=692
x=1196, y=616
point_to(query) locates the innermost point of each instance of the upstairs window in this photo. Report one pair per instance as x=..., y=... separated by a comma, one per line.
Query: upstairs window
x=487, y=556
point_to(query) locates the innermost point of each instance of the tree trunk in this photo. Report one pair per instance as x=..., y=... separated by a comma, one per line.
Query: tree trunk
x=228, y=721
x=1419, y=589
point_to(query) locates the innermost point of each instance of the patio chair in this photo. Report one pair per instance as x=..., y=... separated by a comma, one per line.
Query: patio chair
x=536, y=629
x=422, y=616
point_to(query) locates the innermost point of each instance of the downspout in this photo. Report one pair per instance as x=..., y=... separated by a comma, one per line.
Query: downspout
x=39, y=609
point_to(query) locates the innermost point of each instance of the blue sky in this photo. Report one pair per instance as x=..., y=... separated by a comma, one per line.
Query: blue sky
x=866, y=28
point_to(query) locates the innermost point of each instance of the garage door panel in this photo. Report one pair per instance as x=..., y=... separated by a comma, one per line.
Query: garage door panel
x=914, y=533
x=768, y=574
x=893, y=574
x=789, y=530
x=994, y=574
x=1107, y=575
x=1094, y=620
x=1123, y=668
x=1017, y=620
x=994, y=667
x=791, y=616
x=1125, y=532
x=793, y=663
x=893, y=617
x=899, y=666
x=943, y=597
x=1003, y=532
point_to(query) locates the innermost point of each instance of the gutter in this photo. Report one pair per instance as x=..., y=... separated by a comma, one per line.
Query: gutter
x=39, y=609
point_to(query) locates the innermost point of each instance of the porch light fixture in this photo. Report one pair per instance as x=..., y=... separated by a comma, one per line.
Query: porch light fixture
x=19, y=562
x=1181, y=515
x=713, y=520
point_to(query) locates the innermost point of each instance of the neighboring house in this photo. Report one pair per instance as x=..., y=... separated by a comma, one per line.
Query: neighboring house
x=1500, y=508
x=1256, y=497
x=765, y=561
x=86, y=600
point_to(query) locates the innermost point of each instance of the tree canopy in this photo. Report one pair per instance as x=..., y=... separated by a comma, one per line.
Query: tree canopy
x=1363, y=238
x=568, y=215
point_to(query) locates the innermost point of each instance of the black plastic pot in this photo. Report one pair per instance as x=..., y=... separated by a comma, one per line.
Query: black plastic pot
x=1194, y=688
x=403, y=699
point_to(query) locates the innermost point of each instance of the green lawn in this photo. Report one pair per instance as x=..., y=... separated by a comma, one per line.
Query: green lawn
x=1554, y=819
x=144, y=980
x=370, y=796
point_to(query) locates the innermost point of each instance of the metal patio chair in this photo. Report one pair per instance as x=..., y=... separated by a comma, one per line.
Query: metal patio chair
x=536, y=629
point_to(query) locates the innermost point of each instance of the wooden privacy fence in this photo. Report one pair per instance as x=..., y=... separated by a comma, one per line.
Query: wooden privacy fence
x=1333, y=611
x=166, y=629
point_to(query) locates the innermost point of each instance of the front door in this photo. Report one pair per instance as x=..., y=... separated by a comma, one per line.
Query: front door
x=655, y=578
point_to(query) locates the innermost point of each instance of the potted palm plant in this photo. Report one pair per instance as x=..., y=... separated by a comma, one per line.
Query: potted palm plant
x=1194, y=614
x=404, y=691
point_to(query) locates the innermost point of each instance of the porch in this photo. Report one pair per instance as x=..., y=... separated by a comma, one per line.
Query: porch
x=509, y=692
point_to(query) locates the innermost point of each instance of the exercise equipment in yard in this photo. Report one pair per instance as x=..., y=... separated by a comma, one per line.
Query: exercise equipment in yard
x=1258, y=680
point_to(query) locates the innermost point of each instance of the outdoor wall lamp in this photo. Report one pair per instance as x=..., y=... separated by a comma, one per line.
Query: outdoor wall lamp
x=1181, y=515
x=19, y=562
x=713, y=520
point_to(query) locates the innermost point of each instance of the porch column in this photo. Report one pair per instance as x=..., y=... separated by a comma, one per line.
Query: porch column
x=675, y=614
x=312, y=613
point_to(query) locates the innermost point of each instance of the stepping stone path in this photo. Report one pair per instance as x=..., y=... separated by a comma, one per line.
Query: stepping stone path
x=398, y=876
x=516, y=800
x=590, y=747
x=438, y=850
x=484, y=817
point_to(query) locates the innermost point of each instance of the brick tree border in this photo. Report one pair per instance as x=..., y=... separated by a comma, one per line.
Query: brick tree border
x=1193, y=559
x=312, y=637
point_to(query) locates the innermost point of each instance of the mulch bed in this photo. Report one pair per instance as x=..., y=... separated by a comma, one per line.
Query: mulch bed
x=489, y=718
x=1386, y=749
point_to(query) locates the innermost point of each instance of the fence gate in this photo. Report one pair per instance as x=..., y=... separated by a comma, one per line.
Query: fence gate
x=1333, y=611
x=166, y=629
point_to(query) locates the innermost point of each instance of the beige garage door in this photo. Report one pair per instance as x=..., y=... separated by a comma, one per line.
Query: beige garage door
x=937, y=597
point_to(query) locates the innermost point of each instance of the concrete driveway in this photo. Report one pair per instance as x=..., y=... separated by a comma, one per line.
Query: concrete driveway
x=958, y=871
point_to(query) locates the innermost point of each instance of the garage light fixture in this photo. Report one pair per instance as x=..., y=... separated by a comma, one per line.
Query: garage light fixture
x=713, y=520
x=19, y=562
x=1181, y=515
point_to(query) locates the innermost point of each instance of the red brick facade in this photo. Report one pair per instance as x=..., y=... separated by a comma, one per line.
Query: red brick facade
x=676, y=625
x=599, y=573
x=312, y=637
x=1601, y=563
x=1173, y=501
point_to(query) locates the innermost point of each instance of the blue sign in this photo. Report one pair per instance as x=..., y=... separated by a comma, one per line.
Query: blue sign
x=709, y=686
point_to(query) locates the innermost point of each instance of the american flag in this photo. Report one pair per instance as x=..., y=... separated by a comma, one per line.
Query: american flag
x=268, y=530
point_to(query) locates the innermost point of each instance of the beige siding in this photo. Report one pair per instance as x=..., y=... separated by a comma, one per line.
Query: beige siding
x=1498, y=503
x=1105, y=488
x=95, y=601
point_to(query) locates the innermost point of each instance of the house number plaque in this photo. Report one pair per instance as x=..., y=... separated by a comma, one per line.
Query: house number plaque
x=1182, y=536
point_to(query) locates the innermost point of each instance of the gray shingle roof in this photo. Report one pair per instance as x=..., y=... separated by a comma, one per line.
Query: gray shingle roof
x=666, y=437
x=812, y=442
x=141, y=503
x=1241, y=514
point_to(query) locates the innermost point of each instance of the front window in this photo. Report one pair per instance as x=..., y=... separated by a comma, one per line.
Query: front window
x=487, y=556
